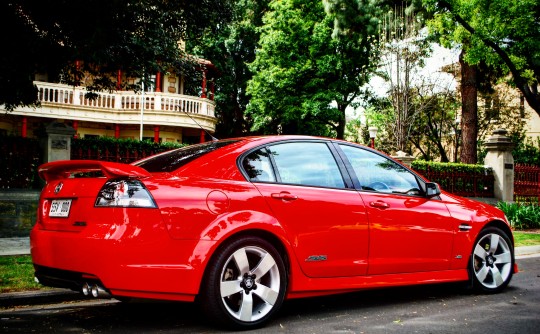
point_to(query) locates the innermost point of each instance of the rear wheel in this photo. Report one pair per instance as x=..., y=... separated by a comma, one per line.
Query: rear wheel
x=245, y=284
x=492, y=261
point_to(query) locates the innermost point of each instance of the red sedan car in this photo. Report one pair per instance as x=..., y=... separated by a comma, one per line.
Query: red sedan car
x=240, y=225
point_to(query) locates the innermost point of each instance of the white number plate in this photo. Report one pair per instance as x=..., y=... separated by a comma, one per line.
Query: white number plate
x=60, y=208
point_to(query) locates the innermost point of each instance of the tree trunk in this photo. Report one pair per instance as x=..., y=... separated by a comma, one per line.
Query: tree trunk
x=469, y=112
x=340, y=129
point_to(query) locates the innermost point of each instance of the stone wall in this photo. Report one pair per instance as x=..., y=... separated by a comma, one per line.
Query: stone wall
x=18, y=210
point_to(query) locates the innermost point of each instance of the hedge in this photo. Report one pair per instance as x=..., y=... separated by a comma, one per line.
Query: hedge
x=450, y=167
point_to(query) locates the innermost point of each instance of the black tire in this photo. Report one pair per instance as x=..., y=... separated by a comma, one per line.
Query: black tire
x=244, y=284
x=492, y=261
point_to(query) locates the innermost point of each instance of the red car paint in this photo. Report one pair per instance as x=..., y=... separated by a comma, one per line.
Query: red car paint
x=333, y=238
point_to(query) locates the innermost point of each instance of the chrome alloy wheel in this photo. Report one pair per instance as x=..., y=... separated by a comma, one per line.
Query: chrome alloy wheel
x=249, y=283
x=492, y=261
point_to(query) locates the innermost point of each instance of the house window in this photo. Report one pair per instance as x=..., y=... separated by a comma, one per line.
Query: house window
x=492, y=107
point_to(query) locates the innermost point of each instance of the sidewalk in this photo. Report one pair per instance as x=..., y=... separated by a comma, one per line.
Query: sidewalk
x=14, y=246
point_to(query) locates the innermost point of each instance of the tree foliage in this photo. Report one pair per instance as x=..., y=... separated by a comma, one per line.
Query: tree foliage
x=230, y=48
x=435, y=133
x=503, y=34
x=303, y=78
x=66, y=38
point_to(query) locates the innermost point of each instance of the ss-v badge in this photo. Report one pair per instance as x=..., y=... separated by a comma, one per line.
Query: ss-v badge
x=313, y=258
x=58, y=188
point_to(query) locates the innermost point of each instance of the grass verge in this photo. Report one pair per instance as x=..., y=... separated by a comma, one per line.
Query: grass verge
x=526, y=238
x=17, y=272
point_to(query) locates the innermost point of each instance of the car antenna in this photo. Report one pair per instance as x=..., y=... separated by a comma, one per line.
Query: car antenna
x=208, y=133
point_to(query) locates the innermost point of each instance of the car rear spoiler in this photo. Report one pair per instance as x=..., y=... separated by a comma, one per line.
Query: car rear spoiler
x=64, y=168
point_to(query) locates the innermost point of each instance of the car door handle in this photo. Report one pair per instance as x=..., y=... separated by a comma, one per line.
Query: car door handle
x=285, y=196
x=379, y=205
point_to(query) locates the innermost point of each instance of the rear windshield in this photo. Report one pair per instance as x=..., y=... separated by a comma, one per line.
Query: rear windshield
x=172, y=160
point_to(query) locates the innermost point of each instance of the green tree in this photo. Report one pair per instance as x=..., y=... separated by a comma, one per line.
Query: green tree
x=435, y=133
x=502, y=33
x=303, y=78
x=231, y=47
x=64, y=39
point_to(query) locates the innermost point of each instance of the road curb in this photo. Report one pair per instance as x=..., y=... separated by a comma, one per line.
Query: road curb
x=28, y=298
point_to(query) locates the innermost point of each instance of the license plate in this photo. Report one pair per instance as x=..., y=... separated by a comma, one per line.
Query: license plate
x=60, y=208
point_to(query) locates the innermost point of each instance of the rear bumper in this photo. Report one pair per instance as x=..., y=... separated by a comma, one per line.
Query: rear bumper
x=157, y=267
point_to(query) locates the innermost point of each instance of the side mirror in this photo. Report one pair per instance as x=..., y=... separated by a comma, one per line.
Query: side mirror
x=432, y=189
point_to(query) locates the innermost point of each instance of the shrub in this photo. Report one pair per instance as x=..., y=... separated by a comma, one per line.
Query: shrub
x=433, y=166
x=521, y=216
x=117, y=150
x=527, y=152
x=101, y=145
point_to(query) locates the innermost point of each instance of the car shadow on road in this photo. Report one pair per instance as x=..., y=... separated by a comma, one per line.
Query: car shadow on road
x=164, y=317
x=369, y=300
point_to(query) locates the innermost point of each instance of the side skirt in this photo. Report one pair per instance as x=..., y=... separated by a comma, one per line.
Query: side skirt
x=311, y=287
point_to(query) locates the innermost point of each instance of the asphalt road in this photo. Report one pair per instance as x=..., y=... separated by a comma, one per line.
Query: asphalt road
x=447, y=308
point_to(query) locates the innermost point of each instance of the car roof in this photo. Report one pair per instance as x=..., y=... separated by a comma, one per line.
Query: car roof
x=221, y=160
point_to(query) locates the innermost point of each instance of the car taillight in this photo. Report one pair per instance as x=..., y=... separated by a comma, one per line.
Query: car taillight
x=129, y=193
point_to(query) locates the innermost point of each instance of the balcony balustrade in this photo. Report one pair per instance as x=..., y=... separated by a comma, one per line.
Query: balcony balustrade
x=123, y=100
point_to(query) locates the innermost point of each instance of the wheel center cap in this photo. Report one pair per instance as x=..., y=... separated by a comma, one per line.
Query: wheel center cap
x=490, y=260
x=248, y=282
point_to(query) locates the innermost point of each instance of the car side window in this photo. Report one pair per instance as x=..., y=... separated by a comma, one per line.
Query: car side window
x=307, y=163
x=377, y=173
x=258, y=166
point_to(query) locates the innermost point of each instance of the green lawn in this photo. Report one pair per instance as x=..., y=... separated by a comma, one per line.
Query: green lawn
x=17, y=272
x=526, y=238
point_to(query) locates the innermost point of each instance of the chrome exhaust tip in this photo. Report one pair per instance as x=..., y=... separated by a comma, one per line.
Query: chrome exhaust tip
x=99, y=292
x=86, y=289
x=94, y=290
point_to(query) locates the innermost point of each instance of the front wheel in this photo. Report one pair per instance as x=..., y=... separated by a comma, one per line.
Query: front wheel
x=492, y=261
x=245, y=284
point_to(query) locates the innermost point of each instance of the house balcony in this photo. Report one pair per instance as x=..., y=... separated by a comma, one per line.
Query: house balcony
x=59, y=101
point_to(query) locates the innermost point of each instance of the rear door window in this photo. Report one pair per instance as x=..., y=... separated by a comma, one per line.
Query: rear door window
x=299, y=163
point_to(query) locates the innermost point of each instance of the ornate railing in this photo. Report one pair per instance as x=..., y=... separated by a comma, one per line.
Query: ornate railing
x=527, y=183
x=123, y=100
x=463, y=184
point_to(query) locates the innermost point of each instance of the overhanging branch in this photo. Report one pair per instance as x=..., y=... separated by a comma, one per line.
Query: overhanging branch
x=519, y=80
